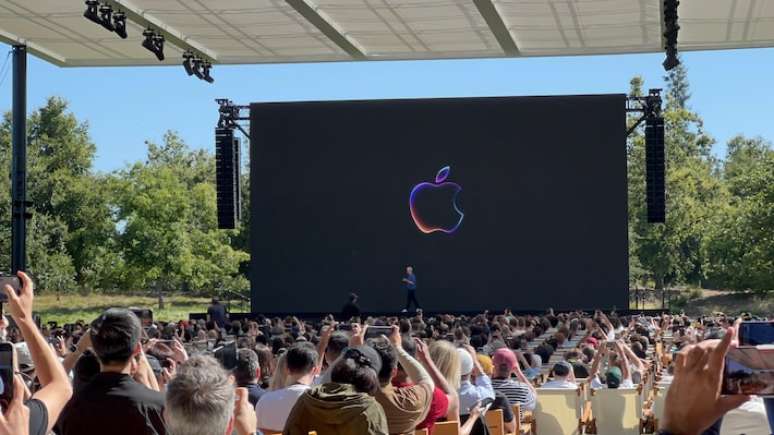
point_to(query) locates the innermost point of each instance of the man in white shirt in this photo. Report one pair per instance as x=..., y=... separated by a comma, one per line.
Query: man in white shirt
x=563, y=377
x=618, y=374
x=274, y=407
x=471, y=393
x=518, y=391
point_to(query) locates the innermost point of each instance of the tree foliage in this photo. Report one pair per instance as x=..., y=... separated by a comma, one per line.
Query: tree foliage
x=151, y=225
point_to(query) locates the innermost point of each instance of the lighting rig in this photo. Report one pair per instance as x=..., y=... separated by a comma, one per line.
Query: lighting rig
x=103, y=15
x=230, y=115
x=195, y=65
x=154, y=42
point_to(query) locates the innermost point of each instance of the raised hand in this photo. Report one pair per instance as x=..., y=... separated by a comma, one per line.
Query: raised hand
x=693, y=401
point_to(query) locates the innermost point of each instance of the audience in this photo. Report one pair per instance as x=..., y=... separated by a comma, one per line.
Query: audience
x=202, y=400
x=275, y=406
x=518, y=391
x=246, y=374
x=124, y=395
x=404, y=406
x=564, y=377
x=130, y=380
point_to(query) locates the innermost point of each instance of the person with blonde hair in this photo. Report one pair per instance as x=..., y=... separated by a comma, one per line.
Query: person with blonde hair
x=447, y=361
x=279, y=378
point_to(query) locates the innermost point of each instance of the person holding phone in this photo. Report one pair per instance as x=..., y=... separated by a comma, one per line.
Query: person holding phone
x=410, y=283
x=47, y=403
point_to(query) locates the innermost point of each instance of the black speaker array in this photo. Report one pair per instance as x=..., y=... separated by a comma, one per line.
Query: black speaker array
x=655, y=167
x=227, y=178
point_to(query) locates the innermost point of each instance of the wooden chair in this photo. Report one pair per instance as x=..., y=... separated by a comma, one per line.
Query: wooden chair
x=446, y=428
x=558, y=412
x=421, y=432
x=616, y=411
x=524, y=420
x=495, y=422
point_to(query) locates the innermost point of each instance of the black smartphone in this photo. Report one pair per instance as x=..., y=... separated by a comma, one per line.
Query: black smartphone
x=756, y=333
x=13, y=281
x=6, y=374
x=749, y=370
x=344, y=327
x=377, y=331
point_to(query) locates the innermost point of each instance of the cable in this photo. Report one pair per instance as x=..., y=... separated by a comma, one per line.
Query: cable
x=4, y=70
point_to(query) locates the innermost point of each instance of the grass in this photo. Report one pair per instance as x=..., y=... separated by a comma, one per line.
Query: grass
x=72, y=307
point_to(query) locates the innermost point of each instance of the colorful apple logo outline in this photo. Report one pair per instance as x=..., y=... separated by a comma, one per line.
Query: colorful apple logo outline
x=440, y=182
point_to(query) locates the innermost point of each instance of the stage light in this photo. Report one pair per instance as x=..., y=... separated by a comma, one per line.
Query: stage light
x=154, y=42
x=188, y=63
x=198, y=67
x=106, y=17
x=206, y=72
x=119, y=23
x=92, y=11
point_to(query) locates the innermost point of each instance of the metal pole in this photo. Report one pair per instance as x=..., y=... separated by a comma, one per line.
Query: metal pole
x=19, y=161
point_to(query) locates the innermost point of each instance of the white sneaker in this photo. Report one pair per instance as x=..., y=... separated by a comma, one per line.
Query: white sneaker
x=404, y=311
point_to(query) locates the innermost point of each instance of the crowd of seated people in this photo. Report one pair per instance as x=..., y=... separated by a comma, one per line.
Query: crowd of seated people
x=356, y=376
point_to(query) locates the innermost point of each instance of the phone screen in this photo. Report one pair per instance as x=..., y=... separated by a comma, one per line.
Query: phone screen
x=6, y=374
x=13, y=281
x=377, y=331
x=756, y=333
x=749, y=371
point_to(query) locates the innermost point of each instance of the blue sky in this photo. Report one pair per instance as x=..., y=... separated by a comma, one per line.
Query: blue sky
x=731, y=90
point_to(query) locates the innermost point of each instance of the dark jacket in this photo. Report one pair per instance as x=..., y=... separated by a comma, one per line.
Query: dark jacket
x=336, y=409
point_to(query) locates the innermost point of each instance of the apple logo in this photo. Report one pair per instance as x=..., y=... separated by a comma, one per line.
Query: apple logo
x=429, y=205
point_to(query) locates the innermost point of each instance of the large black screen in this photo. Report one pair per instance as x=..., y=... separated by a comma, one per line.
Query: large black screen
x=530, y=214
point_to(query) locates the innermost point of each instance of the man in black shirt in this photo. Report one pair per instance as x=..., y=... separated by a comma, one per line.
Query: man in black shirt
x=246, y=374
x=351, y=309
x=217, y=313
x=47, y=403
x=113, y=402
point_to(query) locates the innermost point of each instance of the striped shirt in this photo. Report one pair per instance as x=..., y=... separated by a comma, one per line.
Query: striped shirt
x=516, y=392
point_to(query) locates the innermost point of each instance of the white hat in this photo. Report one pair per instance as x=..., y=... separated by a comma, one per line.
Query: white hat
x=466, y=362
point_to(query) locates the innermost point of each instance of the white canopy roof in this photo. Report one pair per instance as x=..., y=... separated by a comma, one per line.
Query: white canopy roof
x=266, y=31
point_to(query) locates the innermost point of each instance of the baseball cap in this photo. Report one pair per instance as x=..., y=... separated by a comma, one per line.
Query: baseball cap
x=372, y=356
x=505, y=357
x=466, y=362
x=23, y=357
x=613, y=377
x=486, y=364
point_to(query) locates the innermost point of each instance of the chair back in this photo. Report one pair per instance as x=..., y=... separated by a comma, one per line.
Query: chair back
x=446, y=428
x=495, y=422
x=558, y=411
x=659, y=397
x=617, y=410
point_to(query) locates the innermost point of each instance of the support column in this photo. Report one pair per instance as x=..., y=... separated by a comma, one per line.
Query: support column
x=19, y=161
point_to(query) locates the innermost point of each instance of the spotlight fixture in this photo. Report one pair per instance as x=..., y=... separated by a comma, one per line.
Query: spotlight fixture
x=206, y=72
x=119, y=23
x=154, y=42
x=198, y=67
x=188, y=63
x=671, y=29
x=106, y=17
x=92, y=11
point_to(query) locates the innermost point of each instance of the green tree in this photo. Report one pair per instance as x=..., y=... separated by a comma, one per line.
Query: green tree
x=169, y=236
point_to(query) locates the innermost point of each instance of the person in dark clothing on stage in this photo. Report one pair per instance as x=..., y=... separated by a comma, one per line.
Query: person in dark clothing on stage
x=216, y=312
x=351, y=309
x=410, y=282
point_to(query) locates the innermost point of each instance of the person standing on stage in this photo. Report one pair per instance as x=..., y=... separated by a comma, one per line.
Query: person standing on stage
x=410, y=282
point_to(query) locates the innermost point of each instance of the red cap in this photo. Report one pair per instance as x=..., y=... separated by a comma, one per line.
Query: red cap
x=504, y=356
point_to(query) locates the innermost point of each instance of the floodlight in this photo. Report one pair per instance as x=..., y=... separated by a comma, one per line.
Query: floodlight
x=92, y=11
x=106, y=17
x=188, y=63
x=119, y=23
x=154, y=42
x=206, y=72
